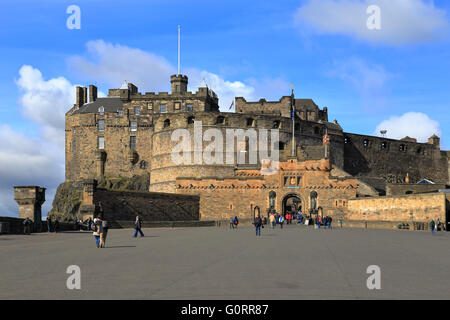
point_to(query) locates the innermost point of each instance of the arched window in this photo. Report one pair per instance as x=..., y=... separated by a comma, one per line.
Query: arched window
x=166, y=123
x=101, y=110
x=313, y=198
x=190, y=120
x=272, y=199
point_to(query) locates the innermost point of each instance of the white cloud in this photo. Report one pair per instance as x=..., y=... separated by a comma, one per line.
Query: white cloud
x=150, y=72
x=402, y=21
x=46, y=102
x=27, y=161
x=413, y=124
x=369, y=80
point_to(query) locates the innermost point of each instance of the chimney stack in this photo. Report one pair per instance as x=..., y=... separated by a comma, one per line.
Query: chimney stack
x=92, y=93
x=81, y=96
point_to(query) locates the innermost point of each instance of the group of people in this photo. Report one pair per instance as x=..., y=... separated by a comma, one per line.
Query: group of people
x=234, y=222
x=435, y=226
x=52, y=225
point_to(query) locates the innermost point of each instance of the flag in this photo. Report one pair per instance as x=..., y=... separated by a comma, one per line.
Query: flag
x=326, y=139
x=232, y=104
x=292, y=113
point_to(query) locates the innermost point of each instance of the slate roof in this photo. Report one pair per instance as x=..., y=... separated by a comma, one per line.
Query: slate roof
x=111, y=104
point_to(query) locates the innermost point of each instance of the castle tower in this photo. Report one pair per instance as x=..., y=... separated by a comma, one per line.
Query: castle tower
x=30, y=200
x=179, y=84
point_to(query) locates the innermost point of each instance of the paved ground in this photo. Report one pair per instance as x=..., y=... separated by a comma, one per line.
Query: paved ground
x=217, y=263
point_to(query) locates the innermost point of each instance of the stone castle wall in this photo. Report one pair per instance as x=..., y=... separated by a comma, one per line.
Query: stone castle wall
x=405, y=208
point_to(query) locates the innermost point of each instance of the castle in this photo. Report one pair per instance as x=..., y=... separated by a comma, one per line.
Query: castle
x=128, y=134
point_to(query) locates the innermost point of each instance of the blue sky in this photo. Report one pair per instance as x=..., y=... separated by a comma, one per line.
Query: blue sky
x=394, y=78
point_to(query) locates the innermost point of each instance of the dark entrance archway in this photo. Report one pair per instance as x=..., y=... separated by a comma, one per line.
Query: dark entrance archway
x=291, y=202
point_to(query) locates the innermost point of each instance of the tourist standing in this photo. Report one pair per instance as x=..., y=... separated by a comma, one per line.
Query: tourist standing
x=89, y=224
x=56, y=225
x=103, y=235
x=236, y=221
x=231, y=223
x=258, y=224
x=329, y=220
x=97, y=231
x=27, y=226
x=49, y=223
x=138, y=227
x=432, y=225
x=438, y=225
x=281, y=221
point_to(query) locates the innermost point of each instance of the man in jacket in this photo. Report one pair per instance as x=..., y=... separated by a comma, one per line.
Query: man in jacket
x=258, y=224
x=103, y=235
x=137, y=227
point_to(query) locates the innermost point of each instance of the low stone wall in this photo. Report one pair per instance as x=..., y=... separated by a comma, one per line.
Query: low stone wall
x=415, y=208
x=162, y=224
x=408, y=225
x=408, y=188
x=15, y=226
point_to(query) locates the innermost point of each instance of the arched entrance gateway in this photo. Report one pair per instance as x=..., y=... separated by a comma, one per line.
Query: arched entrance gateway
x=291, y=202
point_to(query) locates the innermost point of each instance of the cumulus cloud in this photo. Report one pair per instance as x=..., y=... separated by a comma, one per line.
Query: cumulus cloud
x=413, y=124
x=113, y=63
x=402, y=21
x=45, y=101
x=368, y=79
x=27, y=161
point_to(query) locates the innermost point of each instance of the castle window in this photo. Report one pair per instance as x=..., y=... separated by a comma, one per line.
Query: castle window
x=101, y=143
x=177, y=106
x=402, y=148
x=150, y=106
x=281, y=145
x=133, y=126
x=133, y=142
x=346, y=140
x=177, y=88
x=101, y=110
x=163, y=108
x=365, y=143
x=190, y=120
x=419, y=150
x=166, y=123
x=384, y=145
x=101, y=125
x=220, y=120
x=276, y=124
x=316, y=130
x=189, y=107
x=250, y=122
x=136, y=111
x=120, y=112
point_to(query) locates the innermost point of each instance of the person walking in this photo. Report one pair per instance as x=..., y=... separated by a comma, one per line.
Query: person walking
x=49, y=223
x=236, y=221
x=437, y=227
x=75, y=223
x=277, y=218
x=103, y=235
x=272, y=220
x=97, y=231
x=432, y=226
x=56, y=225
x=258, y=223
x=329, y=220
x=137, y=227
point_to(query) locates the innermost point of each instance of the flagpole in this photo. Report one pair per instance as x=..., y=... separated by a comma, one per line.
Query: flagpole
x=293, y=122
